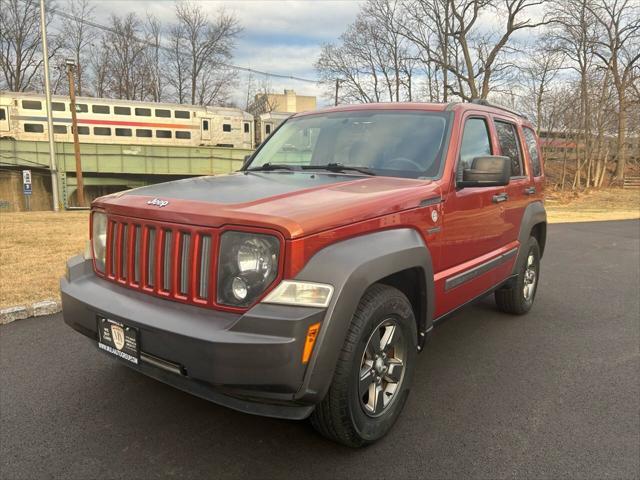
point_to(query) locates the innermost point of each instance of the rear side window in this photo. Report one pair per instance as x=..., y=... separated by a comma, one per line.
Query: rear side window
x=163, y=133
x=183, y=135
x=181, y=114
x=123, y=132
x=122, y=110
x=534, y=154
x=59, y=129
x=510, y=146
x=57, y=106
x=163, y=113
x=475, y=141
x=143, y=112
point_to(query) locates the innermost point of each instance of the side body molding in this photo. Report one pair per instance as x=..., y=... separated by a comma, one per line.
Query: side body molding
x=351, y=266
x=533, y=215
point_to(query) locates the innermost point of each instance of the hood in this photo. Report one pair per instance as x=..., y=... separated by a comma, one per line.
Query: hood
x=294, y=203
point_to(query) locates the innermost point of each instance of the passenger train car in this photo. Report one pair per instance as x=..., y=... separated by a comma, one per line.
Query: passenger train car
x=23, y=116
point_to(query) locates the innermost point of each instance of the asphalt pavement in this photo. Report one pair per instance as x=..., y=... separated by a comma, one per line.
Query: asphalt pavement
x=553, y=394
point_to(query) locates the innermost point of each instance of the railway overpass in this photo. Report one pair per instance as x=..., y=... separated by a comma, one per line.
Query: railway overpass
x=106, y=168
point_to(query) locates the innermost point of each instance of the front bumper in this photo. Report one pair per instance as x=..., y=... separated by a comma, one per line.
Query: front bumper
x=249, y=362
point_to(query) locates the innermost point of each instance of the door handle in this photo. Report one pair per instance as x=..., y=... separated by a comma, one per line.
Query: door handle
x=530, y=190
x=500, y=197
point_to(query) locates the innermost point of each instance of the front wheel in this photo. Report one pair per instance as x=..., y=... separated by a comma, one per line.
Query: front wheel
x=374, y=371
x=518, y=299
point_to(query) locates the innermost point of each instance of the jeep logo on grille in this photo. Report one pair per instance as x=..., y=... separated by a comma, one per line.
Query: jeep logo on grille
x=158, y=203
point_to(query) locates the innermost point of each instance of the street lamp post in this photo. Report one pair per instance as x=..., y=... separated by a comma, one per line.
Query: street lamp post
x=71, y=65
x=47, y=91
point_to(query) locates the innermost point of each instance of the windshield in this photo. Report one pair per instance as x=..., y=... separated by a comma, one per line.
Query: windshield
x=392, y=143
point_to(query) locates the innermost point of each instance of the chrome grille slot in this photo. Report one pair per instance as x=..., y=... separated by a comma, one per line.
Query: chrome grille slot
x=137, y=254
x=166, y=260
x=151, y=257
x=185, y=248
x=124, y=258
x=205, y=265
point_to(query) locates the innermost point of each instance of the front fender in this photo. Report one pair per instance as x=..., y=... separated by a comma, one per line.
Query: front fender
x=351, y=266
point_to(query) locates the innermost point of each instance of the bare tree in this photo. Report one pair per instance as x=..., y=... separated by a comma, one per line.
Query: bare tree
x=208, y=45
x=77, y=36
x=20, y=41
x=619, y=49
x=177, y=65
x=154, y=65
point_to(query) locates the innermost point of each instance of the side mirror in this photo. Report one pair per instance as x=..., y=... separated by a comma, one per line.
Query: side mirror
x=488, y=171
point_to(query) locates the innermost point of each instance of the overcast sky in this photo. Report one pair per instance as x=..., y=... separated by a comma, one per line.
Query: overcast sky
x=278, y=36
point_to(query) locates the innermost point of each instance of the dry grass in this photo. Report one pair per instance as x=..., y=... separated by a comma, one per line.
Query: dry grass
x=34, y=247
x=596, y=205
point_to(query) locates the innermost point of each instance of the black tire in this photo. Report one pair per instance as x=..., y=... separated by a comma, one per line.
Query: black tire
x=514, y=299
x=342, y=415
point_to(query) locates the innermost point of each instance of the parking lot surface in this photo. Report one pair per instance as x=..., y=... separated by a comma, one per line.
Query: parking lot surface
x=552, y=394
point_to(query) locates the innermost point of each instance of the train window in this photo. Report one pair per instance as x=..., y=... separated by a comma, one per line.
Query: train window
x=267, y=128
x=246, y=127
x=58, y=106
x=163, y=113
x=31, y=104
x=183, y=135
x=101, y=131
x=81, y=108
x=143, y=112
x=205, y=125
x=100, y=109
x=33, y=128
x=3, y=114
x=143, y=133
x=181, y=114
x=62, y=129
x=123, y=132
x=226, y=127
x=163, y=133
x=122, y=110
x=82, y=130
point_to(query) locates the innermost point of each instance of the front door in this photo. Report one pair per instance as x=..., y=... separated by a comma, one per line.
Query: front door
x=473, y=225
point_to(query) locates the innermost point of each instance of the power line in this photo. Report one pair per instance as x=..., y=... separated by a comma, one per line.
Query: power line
x=105, y=28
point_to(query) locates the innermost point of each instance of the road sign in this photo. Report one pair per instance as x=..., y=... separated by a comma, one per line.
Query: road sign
x=26, y=189
x=26, y=177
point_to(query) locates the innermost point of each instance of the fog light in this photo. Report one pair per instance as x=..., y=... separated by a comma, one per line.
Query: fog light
x=239, y=288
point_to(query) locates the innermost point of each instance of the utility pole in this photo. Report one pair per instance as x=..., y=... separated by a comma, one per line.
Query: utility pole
x=71, y=65
x=47, y=91
x=337, y=88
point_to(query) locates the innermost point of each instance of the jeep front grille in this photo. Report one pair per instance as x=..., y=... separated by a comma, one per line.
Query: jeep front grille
x=170, y=261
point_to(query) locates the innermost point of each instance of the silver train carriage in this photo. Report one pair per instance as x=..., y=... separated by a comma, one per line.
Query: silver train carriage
x=23, y=116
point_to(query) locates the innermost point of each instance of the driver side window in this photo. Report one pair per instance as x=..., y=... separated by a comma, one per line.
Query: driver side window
x=475, y=142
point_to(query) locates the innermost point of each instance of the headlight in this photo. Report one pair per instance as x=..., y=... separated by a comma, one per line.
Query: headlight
x=99, y=239
x=248, y=264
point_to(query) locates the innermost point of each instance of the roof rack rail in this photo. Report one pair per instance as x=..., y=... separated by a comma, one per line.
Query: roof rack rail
x=487, y=103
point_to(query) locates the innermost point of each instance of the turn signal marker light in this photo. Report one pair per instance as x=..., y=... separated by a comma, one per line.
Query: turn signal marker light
x=312, y=334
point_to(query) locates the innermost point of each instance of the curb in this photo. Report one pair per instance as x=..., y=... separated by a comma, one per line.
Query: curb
x=37, y=309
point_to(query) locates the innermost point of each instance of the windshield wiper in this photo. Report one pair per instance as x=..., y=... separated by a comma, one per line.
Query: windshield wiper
x=338, y=167
x=266, y=167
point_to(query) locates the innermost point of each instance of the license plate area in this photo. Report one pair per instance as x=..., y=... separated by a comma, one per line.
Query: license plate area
x=119, y=339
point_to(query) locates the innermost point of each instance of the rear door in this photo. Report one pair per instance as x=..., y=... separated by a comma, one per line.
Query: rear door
x=510, y=144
